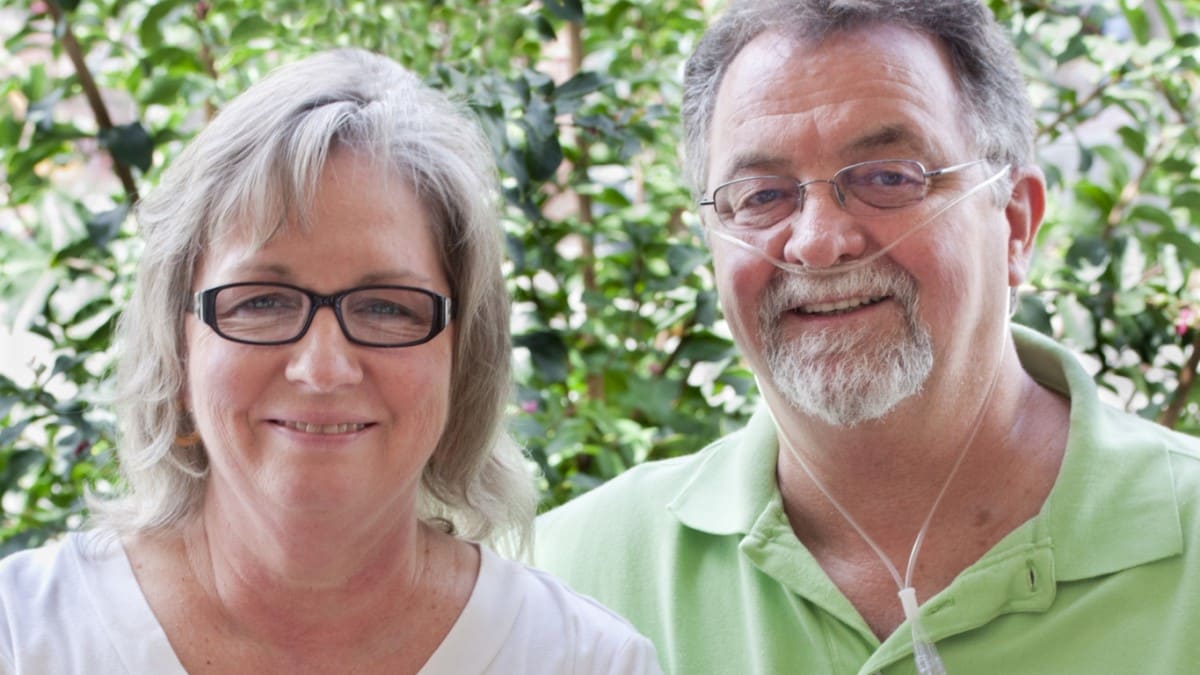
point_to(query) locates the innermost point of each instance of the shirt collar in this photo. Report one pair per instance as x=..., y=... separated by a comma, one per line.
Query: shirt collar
x=733, y=482
x=1112, y=507
x=1114, y=504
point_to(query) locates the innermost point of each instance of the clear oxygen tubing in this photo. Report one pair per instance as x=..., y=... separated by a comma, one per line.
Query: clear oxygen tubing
x=925, y=652
x=861, y=262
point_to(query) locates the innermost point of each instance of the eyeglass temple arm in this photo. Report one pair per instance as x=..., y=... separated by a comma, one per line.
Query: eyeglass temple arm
x=198, y=304
x=950, y=169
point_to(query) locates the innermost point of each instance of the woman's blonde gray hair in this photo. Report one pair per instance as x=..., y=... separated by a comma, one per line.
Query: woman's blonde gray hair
x=254, y=169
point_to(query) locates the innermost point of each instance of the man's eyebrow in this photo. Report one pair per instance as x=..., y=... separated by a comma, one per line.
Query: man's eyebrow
x=887, y=136
x=752, y=160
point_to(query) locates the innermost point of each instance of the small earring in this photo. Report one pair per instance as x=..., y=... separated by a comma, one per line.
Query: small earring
x=1014, y=297
x=189, y=440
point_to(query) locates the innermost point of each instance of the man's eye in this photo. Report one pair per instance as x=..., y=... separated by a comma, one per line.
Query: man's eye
x=763, y=198
x=885, y=179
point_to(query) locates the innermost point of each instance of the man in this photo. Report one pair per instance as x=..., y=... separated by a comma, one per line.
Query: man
x=866, y=177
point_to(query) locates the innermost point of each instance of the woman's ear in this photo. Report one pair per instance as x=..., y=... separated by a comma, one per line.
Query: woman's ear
x=1024, y=211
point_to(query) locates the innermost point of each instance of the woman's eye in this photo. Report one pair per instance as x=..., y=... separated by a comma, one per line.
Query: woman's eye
x=388, y=309
x=384, y=310
x=262, y=303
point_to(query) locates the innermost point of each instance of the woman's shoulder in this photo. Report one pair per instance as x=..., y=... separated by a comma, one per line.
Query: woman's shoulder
x=521, y=619
x=74, y=606
x=38, y=576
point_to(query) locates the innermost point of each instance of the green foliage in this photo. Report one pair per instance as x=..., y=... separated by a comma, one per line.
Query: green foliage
x=621, y=353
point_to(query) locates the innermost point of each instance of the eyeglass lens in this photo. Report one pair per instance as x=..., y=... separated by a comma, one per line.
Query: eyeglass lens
x=267, y=313
x=761, y=202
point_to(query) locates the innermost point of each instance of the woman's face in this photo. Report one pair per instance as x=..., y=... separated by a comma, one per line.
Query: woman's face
x=322, y=426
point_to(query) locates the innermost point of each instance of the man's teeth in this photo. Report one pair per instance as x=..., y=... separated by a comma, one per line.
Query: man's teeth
x=325, y=428
x=838, y=306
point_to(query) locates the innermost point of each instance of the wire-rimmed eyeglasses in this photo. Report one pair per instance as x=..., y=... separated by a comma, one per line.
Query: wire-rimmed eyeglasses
x=862, y=189
x=260, y=313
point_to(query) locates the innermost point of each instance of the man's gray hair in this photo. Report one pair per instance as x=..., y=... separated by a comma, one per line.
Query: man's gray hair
x=251, y=171
x=986, y=74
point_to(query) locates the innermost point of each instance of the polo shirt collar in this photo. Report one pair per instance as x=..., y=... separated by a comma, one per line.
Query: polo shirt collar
x=1108, y=462
x=732, y=485
x=1114, y=504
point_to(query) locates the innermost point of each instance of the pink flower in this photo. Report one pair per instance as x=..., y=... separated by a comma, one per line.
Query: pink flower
x=529, y=406
x=1184, y=320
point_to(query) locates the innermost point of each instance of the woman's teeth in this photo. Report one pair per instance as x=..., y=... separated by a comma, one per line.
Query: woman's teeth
x=324, y=428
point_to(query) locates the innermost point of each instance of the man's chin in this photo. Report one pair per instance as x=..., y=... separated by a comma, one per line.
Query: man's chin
x=848, y=390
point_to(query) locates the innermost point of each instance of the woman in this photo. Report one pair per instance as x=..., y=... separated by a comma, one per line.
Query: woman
x=314, y=367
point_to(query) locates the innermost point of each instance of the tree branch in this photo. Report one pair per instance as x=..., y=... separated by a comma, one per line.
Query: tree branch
x=92, y=93
x=1187, y=379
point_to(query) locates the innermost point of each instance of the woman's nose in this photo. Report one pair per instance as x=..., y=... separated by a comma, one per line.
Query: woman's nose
x=324, y=359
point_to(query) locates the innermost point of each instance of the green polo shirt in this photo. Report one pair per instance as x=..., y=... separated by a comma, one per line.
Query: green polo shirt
x=698, y=554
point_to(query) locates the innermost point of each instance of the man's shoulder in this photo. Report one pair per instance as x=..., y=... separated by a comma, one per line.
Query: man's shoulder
x=1117, y=423
x=625, y=516
x=643, y=490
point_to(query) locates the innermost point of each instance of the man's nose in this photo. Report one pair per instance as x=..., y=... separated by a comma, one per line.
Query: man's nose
x=820, y=232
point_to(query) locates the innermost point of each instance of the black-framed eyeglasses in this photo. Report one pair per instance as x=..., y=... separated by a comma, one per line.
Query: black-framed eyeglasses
x=862, y=189
x=260, y=313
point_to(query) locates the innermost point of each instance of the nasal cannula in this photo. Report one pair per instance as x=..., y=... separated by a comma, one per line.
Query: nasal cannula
x=925, y=652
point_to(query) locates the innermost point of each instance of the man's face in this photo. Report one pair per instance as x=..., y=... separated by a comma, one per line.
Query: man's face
x=847, y=348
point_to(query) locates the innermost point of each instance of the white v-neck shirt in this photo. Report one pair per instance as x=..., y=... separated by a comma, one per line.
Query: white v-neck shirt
x=75, y=607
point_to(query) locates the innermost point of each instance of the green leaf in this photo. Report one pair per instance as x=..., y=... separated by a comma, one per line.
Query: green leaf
x=1166, y=13
x=1188, y=199
x=129, y=144
x=164, y=91
x=1133, y=265
x=1184, y=244
x=705, y=347
x=548, y=353
x=149, y=32
x=1078, y=326
x=1076, y=47
x=104, y=226
x=1095, y=195
x=1134, y=139
x=1151, y=214
x=12, y=432
x=1031, y=312
x=684, y=259
x=1139, y=25
x=583, y=83
x=1087, y=250
x=1131, y=302
x=250, y=27
x=568, y=10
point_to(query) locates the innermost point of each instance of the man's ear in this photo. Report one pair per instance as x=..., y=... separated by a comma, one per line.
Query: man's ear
x=1024, y=211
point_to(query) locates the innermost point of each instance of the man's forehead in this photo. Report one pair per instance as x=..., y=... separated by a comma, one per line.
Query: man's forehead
x=857, y=95
x=896, y=140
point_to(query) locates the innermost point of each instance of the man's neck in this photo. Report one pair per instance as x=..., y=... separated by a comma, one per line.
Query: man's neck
x=887, y=475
